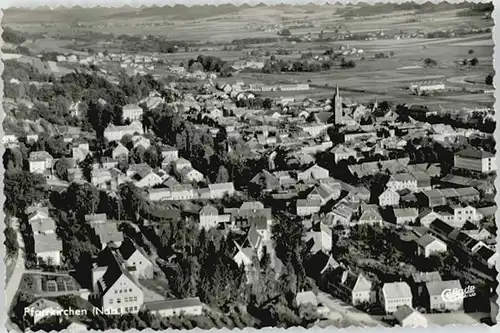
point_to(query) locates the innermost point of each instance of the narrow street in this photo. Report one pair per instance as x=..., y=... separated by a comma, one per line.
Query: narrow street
x=349, y=312
x=13, y=284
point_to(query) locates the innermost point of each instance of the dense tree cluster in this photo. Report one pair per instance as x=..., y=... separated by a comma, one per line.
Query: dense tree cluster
x=489, y=79
x=22, y=189
x=296, y=66
x=11, y=36
x=205, y=152
x=211, y=64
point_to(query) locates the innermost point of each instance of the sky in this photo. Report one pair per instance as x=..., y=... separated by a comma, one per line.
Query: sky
x=137, y=3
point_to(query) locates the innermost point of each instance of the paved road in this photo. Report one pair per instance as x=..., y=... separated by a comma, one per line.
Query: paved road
x=15, y=279
x=349, y=312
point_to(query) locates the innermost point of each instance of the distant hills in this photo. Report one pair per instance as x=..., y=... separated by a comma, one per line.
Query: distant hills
x=44, y=14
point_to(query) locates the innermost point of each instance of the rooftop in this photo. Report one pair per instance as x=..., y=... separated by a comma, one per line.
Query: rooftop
x=173, y=304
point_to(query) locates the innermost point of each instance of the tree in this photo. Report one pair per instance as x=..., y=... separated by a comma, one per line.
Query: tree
x=222, y=175
x=22, y=189
x=489, y=79
x=285, y=32
x=347, y=64
x=12, y=159
x=11, y=243
x=429, y=62
x=474, y=61
x=268, y=103
x=81, y=199
x=61, y=168
x=471, y=51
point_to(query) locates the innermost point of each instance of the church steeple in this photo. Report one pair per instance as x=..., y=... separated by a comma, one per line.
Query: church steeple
x=337, y=104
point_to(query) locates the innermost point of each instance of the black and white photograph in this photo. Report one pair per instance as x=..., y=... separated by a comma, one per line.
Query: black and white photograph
x=255, y=166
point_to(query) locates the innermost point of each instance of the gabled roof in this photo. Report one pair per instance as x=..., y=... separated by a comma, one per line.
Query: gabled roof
x=305, y=297
x=436, y=288
x=485, y=252
x=182, y=161
x=47, y=243
x=308, y=203
x=266, y=178
x=40, y=156
x=42, y=225
x=371, y=214
x=113, y=273
x=128, y=248
x=251, y=205
x=209, y=210
x=474, y=153
x=427, y=239
x=221, y=186
x=396, y=290
x=441, y=226
x=173, y=304
x=406, y=212
x=404, y=312
x=420, y=277
x=402, y=177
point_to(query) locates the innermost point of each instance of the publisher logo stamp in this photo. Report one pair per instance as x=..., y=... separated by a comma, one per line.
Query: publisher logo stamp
x=458, y=294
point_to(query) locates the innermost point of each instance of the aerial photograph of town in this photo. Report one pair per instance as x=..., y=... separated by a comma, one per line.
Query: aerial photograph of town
x=249, y=166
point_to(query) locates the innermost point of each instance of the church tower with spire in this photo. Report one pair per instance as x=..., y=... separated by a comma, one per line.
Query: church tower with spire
x=337, y=107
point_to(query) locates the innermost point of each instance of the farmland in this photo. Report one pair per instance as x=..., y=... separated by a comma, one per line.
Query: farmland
x=213, y=30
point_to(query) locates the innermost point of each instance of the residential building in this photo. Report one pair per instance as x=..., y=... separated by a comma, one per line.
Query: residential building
x=140, y=141
x=418, y=281
x=394, y=295
x=314, y=172
x=48, y=248
x=100, y=178
x=191, y=175
x=169, y=154
x=132, y=112
x=136, y=261
x=429, y=245
x=42, y=226
x=371, y=215
x=209, y=217
x=306, y=207
x=219, y=190
x=306, y=298
x=40, y=162
x=118, y=290
x=475, y=160
x=402, y=181
x=352, y=288
x=389, y=198
x=487, y=256
x=107, y=233
x=342, y=152
x=314, y=130
x=436, y=301
x=320, y=263
x=116, y=133
x=325, y=192
x=120, y=152
x=175, y=307
x=147, y=179
x=408, y=317
x=159, y=194
x=181, y=163
x=405, y=215
x=183, y=192
x=42, y=308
